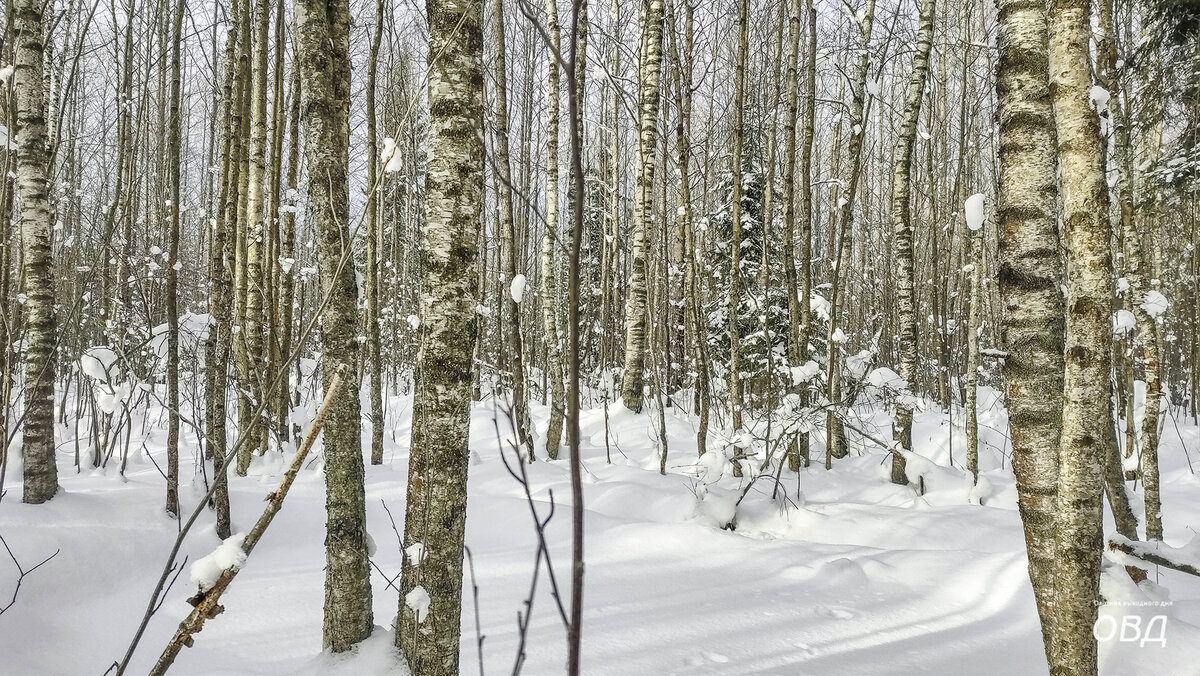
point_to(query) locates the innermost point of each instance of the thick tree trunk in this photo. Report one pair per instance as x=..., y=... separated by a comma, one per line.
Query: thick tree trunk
x=33, y=190
x=1029, y=279
x=323, y=42
x=1088, y=348
x=435, y=519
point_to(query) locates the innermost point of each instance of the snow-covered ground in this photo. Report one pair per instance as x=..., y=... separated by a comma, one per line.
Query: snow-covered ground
x=841, y=573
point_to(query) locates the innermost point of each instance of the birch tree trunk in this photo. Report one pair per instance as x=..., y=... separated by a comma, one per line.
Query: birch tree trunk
x=221, y=279
x=1088, y=348
x=835, y=435
x=174, y=141
x=322, y=39
x=374, y=240
x=549, y=295
x=649, y=68
x=1029, y=278
x=796, y=457
x=508, y=242
x=427, y=630
x=1135, y=272
x=577, y=73
x=733, y=300
x=287, y=252
x=903, y=231
x=33, y=191
x=681, y=68
x=805, y=229
x=256, y=235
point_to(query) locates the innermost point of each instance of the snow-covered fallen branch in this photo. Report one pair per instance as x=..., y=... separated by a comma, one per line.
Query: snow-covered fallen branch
x=1185, y=559
x=204, y=603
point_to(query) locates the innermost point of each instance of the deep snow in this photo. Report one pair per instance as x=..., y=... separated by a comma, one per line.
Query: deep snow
x=850, y=575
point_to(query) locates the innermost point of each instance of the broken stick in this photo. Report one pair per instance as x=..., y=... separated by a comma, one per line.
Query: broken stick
x=205, y=606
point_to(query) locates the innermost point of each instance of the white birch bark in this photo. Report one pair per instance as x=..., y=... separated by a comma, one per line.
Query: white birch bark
x=435, y=515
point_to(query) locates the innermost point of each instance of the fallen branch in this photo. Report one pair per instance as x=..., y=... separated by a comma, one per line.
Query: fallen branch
x=205, y=606
x=1157, y=553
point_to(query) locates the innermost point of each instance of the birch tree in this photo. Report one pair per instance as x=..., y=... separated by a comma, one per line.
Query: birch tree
x=427, y=630
x=33, y=189
x=512, y=286
x=733, y=300
x=322, y=40
x=903, y=231
x=1088, y=341
x=835, y=435
x=173, y=149
x=649, y=69
x=550, y=241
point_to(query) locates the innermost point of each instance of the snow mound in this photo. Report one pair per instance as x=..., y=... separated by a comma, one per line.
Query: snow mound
x=229, y=555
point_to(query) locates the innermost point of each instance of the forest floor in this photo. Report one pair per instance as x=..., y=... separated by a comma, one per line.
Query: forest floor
x=840, y=573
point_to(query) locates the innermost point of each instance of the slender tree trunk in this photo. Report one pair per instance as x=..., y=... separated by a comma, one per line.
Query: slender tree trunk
x=435, y=519
x=1088, y=348
x=805, y=226
x=273, y=219
x=649, y=69
x=287, y=253
x=974, y=320
x=174, y=141
x=903, y=232
x=1135, y=272
x=835, y=435
x=508, y=243
x=256, y=234
x=549, y=295
x=577, y=73
x=374, y=240
x=696, y=331
x=323, y=42
x=221, y=280
x=796, y=458
x=33, y=190
x=733, y=300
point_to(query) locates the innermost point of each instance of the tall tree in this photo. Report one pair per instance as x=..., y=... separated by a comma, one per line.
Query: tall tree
x=435, y=517
x=374, y=239
x=733, y=300
x=550, y=241
x=1088, y=341
x=835, y=436
x=174, y=141
x=256, y=235
x=1030, y=275
x=323, y=44
x=1136, y=267
x=33, y=190
x=513, y=287
x=796, y=352
x=649, y=74
x=903, y=230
